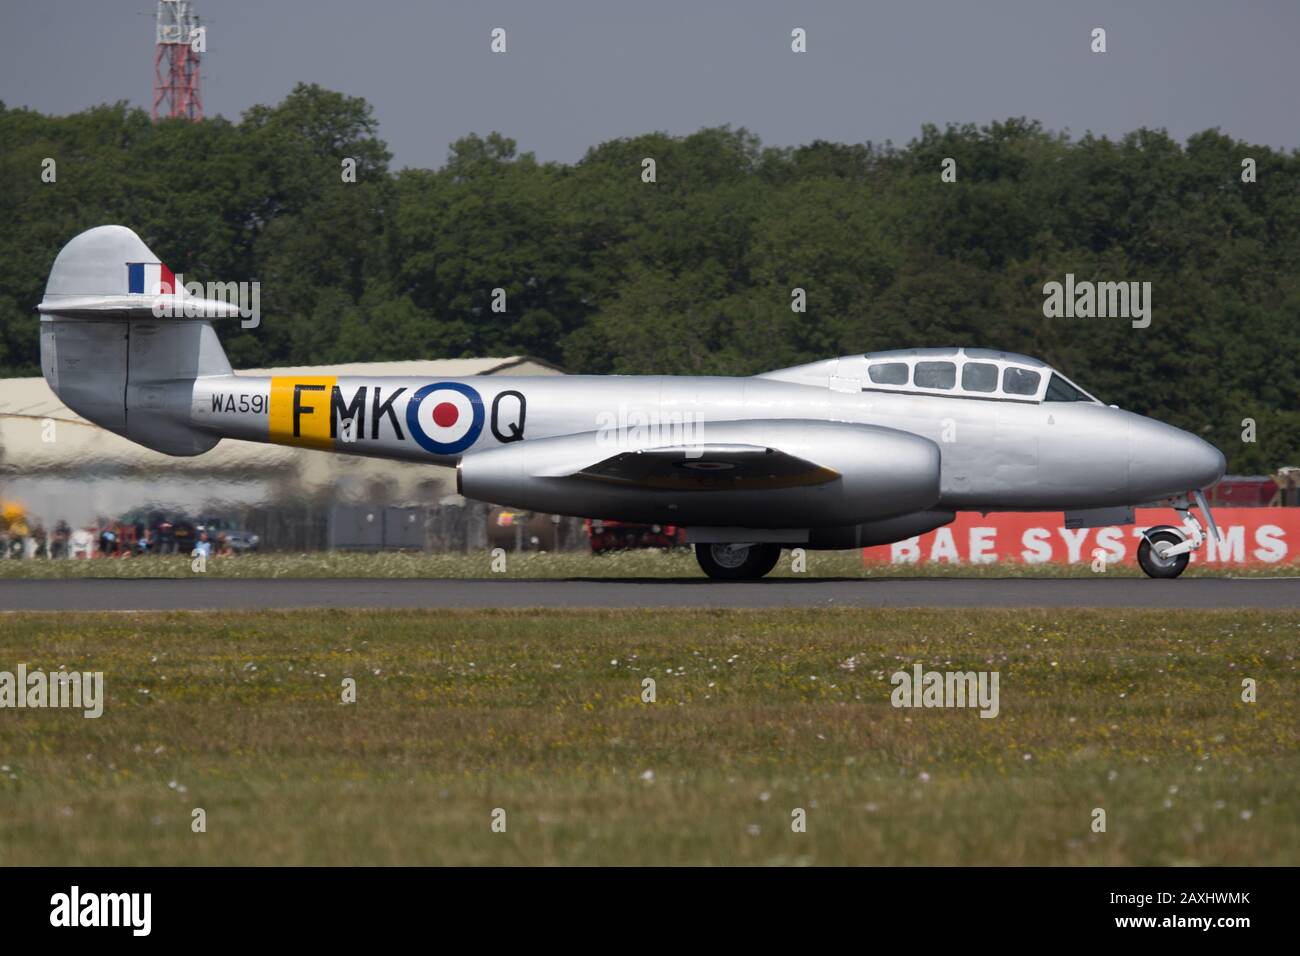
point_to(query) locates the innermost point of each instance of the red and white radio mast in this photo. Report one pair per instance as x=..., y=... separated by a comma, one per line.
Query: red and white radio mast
x=176, y=62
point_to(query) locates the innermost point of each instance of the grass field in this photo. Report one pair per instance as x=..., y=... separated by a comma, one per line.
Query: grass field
x=647, y=563
x=757, y=713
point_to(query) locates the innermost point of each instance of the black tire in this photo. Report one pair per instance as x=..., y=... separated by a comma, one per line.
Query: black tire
x=1150, y=560
x=725, y=562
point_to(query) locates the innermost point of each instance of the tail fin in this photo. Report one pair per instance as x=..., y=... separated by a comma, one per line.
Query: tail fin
x=110, y=357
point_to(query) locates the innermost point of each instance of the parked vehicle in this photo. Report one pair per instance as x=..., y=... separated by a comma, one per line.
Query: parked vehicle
x=240, y=540
x=622, y=535
x=1248, y=491
x=517, y=530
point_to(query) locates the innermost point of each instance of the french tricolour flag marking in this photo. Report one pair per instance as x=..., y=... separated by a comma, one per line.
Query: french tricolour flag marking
x=147, y=278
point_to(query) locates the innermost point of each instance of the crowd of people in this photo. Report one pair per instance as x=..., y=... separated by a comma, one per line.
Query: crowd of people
x=21, y=540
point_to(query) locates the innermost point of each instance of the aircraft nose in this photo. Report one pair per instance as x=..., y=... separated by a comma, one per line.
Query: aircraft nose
x=1165, y=461
x=1210, y=464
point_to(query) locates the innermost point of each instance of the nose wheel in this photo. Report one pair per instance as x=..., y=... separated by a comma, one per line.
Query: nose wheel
x=1154, y=553
x=737, y=562
x=1165, y=550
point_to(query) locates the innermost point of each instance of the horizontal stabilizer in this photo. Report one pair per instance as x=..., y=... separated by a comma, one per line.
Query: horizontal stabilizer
x=109, y=273
x=159, y=307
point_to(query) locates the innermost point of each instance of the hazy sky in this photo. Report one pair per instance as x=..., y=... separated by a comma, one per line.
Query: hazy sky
x=578, y=72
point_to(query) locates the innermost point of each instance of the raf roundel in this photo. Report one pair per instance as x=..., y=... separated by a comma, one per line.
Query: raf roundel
x=445, y=418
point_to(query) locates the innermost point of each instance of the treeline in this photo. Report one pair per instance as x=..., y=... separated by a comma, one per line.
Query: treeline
x=693, y=273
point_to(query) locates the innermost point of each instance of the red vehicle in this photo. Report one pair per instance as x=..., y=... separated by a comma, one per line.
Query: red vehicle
x=1238, y=491
x=621, y=535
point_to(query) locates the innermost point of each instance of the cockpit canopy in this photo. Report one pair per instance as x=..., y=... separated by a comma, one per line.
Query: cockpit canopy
x=985, y=374
x=973, y=373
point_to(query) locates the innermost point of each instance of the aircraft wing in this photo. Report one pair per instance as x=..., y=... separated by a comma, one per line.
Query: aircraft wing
x=708, y=468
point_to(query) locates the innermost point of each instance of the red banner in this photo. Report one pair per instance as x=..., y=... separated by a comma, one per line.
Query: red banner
x=1259, y=536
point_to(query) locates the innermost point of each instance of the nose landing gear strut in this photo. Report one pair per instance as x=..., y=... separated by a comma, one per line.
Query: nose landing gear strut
x=1165, y=550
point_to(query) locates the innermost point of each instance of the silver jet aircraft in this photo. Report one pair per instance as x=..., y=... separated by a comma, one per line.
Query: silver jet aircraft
x=843, y=453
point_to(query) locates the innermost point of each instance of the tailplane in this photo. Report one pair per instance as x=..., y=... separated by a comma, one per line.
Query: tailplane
x=122, y=347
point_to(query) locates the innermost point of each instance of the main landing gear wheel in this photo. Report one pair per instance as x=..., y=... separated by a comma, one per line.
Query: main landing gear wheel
x=737, y=562
x=1151, y=553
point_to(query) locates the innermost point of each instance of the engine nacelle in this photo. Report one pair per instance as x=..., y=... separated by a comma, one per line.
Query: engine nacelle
x=881, y=473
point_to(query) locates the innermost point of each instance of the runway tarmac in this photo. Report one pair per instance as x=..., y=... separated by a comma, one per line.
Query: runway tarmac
x=169, y=594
